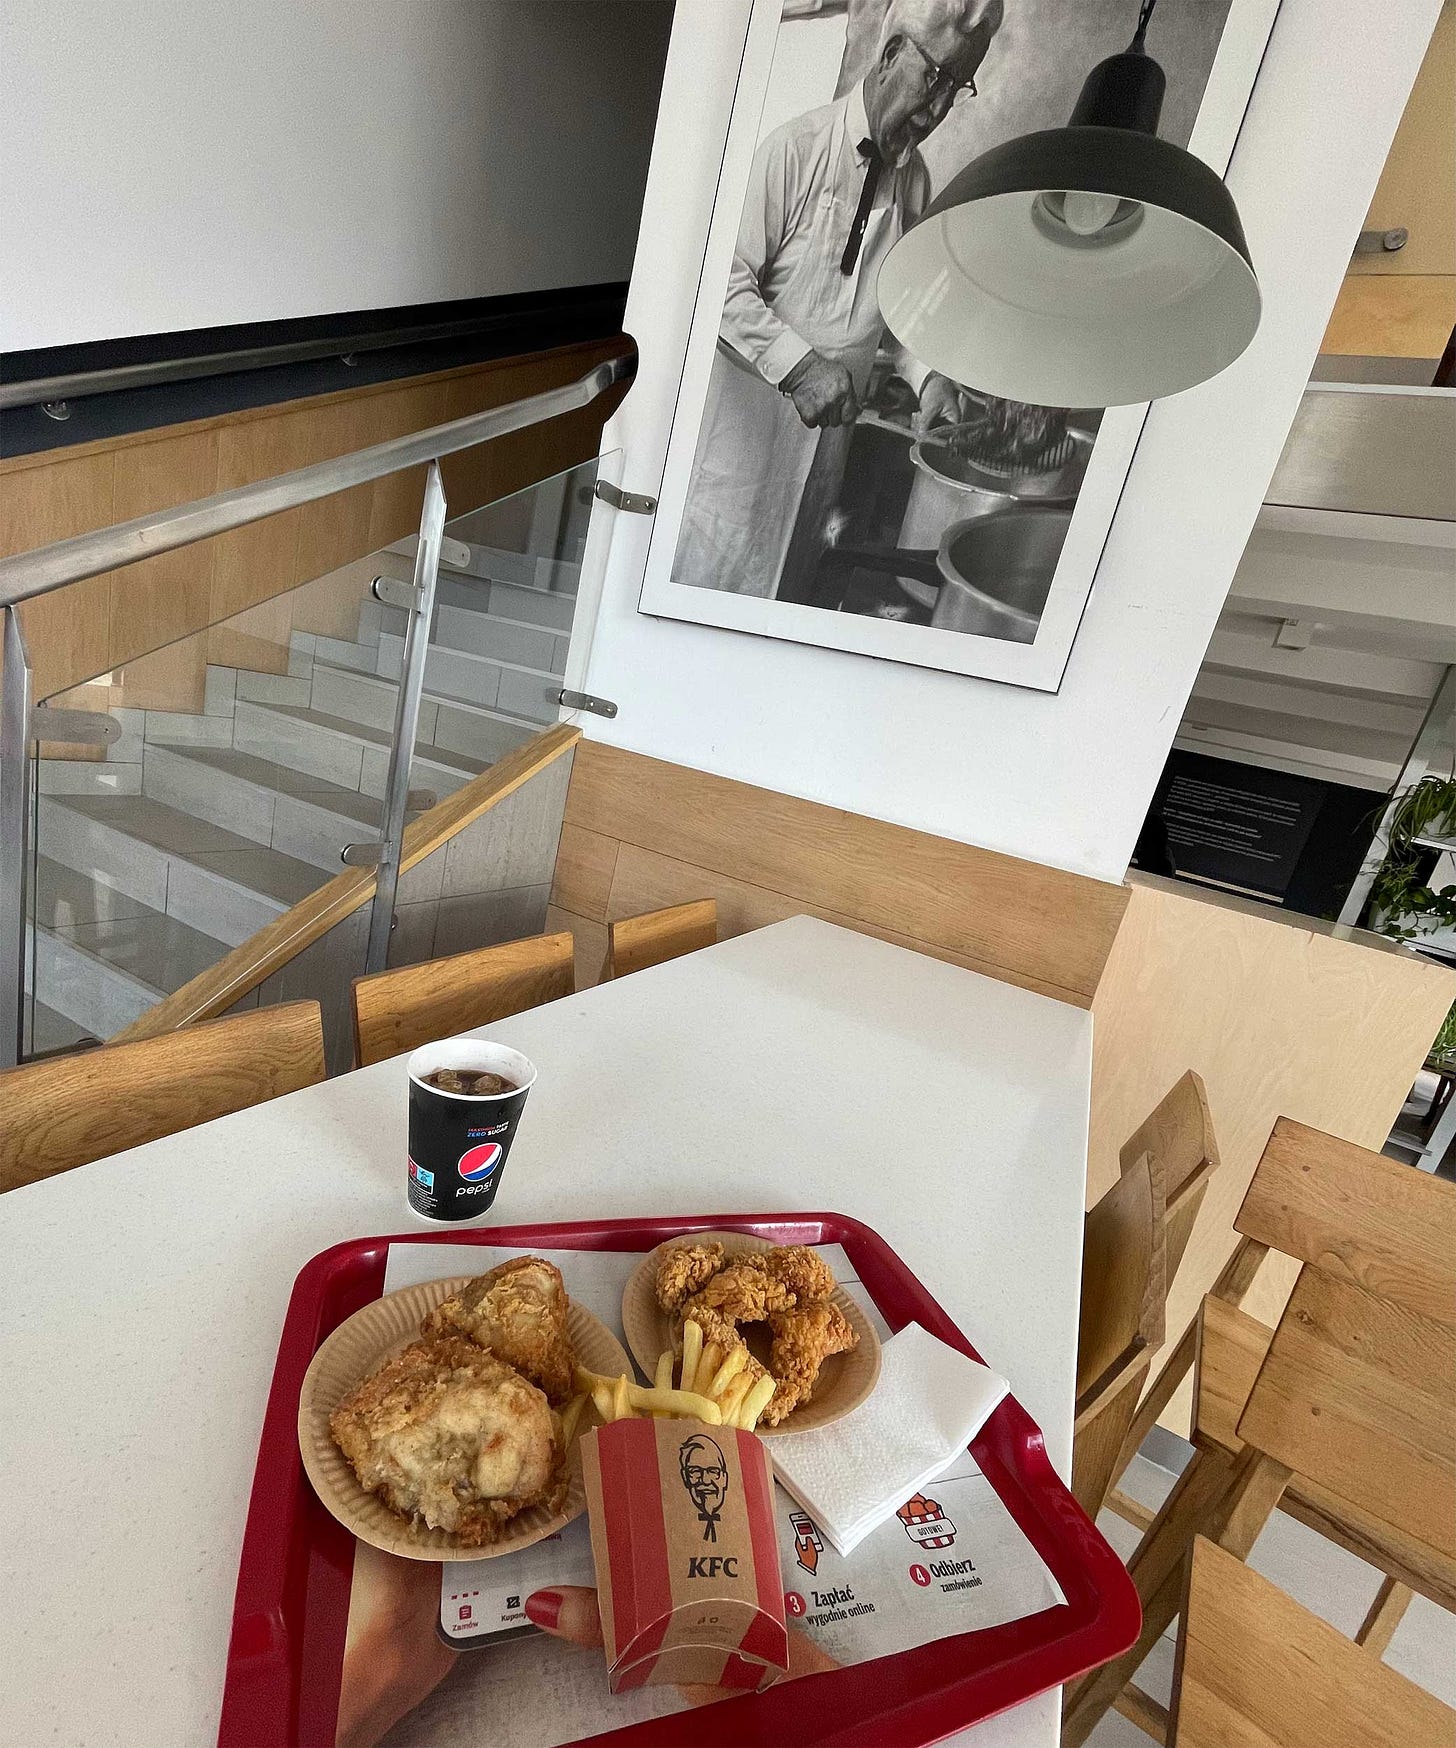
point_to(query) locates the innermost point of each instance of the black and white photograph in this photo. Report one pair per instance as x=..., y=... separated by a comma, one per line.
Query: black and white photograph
x=823, y=484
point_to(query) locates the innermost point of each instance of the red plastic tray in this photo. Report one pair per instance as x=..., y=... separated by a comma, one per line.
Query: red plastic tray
x=287, y=1646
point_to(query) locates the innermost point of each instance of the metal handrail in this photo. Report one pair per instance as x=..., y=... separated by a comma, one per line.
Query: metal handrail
x=78, y=385
x=45, y=568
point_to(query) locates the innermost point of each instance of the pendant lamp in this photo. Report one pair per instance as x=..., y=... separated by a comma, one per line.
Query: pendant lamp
x=1093, y=265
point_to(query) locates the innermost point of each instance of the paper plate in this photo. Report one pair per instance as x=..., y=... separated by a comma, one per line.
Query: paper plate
x=357, y=1347
x=845, y=1379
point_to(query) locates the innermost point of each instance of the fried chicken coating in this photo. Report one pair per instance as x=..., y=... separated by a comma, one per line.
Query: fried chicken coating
x=450, y=1437
x=720, y=1329
x=803, y=1339
x=801, y=1270
x=743, y=1294
x=518, y=1313
x=683, y=1270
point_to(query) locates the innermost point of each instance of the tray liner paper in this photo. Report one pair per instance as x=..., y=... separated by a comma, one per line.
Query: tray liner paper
x=950, y=1561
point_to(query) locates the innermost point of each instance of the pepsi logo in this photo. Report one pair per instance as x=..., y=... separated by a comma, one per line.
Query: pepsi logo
x=480, y=1161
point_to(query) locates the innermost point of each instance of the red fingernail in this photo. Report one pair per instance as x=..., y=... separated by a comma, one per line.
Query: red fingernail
x=544, y=1607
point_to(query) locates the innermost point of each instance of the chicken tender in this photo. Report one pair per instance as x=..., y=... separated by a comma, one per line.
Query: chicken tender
x=518, y=1313
x=451, y=1438
x=683, y=1270
x=743, y=1294
x=720, y=1329
x=803, y=1339
x=802, y=1271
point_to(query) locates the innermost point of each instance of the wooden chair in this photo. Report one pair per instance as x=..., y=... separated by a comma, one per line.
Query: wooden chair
x=395, y=1011
x=1256, y=1667
x=1179, y=1135
x=1123, y=1292
x=69, y=1110
x=635, y=942
x=1345, y=1416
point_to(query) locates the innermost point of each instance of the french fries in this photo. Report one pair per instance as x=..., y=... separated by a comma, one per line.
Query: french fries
x=712, y=1386
x=570, y=1415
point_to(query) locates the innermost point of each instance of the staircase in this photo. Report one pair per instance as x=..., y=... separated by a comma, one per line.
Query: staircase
x=198, y=830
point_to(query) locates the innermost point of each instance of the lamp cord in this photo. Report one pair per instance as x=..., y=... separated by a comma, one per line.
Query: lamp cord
x=1145, y=13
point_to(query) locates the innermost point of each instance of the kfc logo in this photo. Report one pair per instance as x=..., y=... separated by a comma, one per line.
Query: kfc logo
x=704, y=1471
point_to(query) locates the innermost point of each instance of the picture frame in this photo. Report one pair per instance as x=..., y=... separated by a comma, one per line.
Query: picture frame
x=782, y=68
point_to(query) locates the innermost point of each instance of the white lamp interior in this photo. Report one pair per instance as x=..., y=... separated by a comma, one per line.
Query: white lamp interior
x=983, y=294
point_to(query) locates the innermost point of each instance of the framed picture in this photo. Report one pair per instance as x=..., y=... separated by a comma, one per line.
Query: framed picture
x=821, y=484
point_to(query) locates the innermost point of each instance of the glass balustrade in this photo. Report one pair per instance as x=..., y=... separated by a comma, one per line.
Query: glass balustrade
x=228, y=775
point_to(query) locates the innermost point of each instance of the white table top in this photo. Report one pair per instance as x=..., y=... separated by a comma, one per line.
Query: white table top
x=799, y=1067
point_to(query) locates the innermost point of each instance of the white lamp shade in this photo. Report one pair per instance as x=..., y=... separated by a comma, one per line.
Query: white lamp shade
x=989, y=294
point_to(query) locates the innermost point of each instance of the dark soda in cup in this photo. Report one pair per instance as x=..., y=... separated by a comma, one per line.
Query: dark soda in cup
x=465, y=1101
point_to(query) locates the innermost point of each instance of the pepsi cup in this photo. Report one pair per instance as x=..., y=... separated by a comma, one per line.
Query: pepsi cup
x=458, y=1142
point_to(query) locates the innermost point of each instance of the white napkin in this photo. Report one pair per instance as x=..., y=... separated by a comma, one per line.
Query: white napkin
x=927, y=1405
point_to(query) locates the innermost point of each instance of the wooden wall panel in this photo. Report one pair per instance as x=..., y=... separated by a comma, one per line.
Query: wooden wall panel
x=1281, y=1019
x=335, y=530
x=685, y=834
x=92, y=627
x=1393, y=316
x=162, y=598
x=67, y=633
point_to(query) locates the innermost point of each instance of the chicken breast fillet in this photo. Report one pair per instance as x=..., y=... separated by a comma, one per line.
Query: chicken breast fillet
x=518, y=1313
x=802, y=1340
x=683, y=1269
x=450, y=1437
x=801, y=1270
x=742, y=1294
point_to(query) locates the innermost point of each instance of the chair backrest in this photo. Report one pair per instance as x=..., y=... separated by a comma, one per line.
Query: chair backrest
x=395, y=1011
x=69, y=1110
x=1358, y=1395
x=1357, y=1215
x=1256, y=1667
x=1178, y=1132
x=635, y=942
x=1124, y=1285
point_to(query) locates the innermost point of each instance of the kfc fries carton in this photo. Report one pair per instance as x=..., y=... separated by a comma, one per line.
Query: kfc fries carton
x=687, y=1559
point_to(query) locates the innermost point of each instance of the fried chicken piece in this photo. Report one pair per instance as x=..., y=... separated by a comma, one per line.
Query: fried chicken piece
x=743, y=1294
x=683, y=1270
x=802, y=1340
x=720, y=1329
x=452, y=1438
x=518, y=1313
x=802, y=1271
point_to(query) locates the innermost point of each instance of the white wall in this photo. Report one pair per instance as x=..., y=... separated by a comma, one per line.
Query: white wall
x=1063, y=778
x=167, y=166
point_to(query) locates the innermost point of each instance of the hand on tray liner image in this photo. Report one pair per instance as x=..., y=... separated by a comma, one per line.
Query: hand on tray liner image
x=394, y=1658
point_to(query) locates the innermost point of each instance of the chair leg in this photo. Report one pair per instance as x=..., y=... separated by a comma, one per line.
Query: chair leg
x=1177, y=1367
x=1386, y=1613
x=1156, y=1568
x=1143, y=1710
x=1235, y=1279
x=1228, y=1502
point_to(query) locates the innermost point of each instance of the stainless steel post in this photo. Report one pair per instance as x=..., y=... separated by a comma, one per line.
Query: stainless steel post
x=15, y=704
x=407, y=718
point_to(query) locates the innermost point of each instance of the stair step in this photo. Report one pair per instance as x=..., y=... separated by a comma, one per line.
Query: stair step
x=350, y=753
x=527, y=644
x=215, y=880
x=102, y=975
x=447, y=725
x=527, y=694
x=50, y=1032
x=523, y=602
x=303, y=815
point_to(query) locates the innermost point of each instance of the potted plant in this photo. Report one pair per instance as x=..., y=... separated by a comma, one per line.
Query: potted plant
x=1426, y=811
x=1403, y=906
